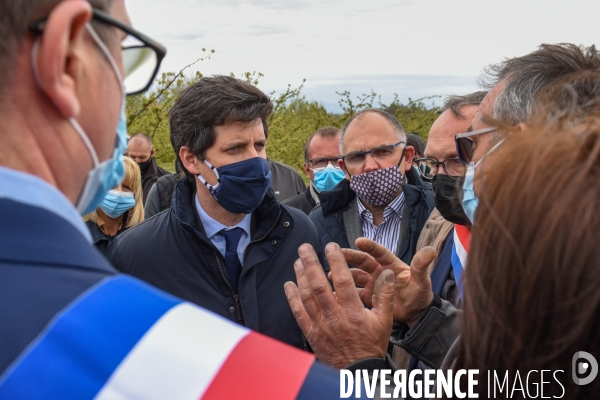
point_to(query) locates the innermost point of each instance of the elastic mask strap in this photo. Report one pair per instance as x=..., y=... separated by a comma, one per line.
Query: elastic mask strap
x=72, y=121
x=489, y=152
x=208, y=185
x=400, y=162
x=104, y=49
x=74, y=124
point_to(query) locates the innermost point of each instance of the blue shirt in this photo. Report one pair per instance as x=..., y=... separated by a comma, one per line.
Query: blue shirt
x=387, y=233
x=31, y=190
x=213, y=227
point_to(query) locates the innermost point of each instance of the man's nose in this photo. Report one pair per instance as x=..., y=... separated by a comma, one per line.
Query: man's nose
x=370, y=163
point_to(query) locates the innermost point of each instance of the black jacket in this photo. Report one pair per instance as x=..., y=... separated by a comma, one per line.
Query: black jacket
x=303, y=201
x=159, y=198
x=337, y=219
x=151, y=176
x=286, y=182
x=101, y=241
x=172, y=252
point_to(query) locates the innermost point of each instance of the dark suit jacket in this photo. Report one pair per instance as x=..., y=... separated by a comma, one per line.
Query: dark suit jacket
x=45, y=263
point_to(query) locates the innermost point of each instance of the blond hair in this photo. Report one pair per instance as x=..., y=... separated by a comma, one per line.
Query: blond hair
x=132, y=179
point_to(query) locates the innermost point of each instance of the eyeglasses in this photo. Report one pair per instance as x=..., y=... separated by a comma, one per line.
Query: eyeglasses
x=321, y=163
x=380, y=153
x=141, y=55
x=464, y=145
x=453, y=167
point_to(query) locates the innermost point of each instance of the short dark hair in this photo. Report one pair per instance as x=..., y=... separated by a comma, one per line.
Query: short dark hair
x=142, y=135
x=414, y=140
x=328, y=131
x=455, y=103
x=214, y=101
x=15, y=17
x=391, y=119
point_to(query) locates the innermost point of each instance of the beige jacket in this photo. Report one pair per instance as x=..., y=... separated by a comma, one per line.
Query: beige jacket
x=434, y=234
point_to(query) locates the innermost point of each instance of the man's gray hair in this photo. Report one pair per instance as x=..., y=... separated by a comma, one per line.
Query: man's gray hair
x=456, y=103
x=391, y=119
x=527, y=75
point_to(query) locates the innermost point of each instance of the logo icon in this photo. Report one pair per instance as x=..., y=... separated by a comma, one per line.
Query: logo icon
x=584, y=363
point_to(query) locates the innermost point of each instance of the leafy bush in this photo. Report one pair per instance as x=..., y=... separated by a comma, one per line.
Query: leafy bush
x=293, y=119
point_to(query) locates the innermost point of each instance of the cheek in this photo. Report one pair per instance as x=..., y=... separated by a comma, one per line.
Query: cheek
x=99, y=116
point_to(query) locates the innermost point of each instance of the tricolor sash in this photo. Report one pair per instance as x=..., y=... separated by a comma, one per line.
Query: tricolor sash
x=460, y=250
x=124, y=339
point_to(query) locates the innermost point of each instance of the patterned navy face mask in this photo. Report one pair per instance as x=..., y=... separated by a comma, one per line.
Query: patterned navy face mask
x=377, y=188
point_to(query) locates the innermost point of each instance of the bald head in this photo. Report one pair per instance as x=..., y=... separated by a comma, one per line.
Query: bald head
x=140, y=148
x=440, y=142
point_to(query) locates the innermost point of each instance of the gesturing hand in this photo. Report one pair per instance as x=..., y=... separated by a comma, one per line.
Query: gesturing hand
x=412, y=289
x=338, y=327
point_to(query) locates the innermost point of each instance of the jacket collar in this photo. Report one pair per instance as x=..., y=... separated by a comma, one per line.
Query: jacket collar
x=97, y=234
x=340, y=197
x=184, y=208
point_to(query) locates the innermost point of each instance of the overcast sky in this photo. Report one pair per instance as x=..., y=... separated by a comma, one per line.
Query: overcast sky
x=413, y=48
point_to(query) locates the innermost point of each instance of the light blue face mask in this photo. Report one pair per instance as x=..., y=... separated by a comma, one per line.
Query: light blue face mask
x=107, y=174
x=116, y=203
x=470, y=200
x=327, y=178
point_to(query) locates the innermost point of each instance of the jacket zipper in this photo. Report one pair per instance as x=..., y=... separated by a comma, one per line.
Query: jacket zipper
x=238, y=306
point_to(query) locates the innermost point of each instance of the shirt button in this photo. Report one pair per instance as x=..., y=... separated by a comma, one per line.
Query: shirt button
x=274, y=242
x=231, y=308
x=380, y=236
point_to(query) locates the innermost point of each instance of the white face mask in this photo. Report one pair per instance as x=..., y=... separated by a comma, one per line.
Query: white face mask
x=107, y=174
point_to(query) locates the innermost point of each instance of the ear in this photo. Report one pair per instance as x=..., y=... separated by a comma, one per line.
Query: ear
x=189, y=160
x=59, y=54
x=409, y=155
x=307, y=171
x=522, y=127
x=152, y=153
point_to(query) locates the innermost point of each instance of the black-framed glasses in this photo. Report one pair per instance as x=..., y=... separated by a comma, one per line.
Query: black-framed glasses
x=380, y=153
x=321, y=163
x=464, y=145
x=142, y=55
x=453, y=167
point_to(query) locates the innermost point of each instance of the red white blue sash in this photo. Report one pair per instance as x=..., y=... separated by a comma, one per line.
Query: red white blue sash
x=124, y=339
x=460, y=250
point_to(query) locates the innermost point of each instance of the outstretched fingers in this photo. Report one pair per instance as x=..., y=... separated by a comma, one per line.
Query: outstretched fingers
x=342, y=279
x=379, y=253
x=297, y=305
x=383, y=298
x=316, y=281
x=419, y=266
x=360, y=260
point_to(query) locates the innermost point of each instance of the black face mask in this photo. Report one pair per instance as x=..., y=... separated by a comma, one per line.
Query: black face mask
x=144, y=165
x=448, y=196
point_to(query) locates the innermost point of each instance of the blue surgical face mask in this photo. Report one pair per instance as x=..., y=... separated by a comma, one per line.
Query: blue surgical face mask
x=470, y=200
x=327, y=178
x=116, y=203
x=107, y=174
x=241, y=186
